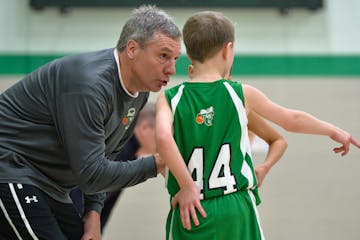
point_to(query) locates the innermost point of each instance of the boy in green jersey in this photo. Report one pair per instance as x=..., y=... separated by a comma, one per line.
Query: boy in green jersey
x=202, y=135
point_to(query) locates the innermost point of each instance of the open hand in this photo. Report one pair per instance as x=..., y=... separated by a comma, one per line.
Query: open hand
x=189, y=201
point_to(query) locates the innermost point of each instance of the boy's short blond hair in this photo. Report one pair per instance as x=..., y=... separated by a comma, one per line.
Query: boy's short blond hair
x=205, y=33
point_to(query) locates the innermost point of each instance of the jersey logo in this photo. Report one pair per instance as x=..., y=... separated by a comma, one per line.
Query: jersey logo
x=205, y=116
x=29, y=199
x=127, y=120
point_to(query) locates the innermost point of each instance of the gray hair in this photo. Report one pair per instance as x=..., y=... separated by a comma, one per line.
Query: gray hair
x=144, y=22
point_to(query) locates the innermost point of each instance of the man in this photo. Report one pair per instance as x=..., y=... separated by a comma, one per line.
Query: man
x=61, y=124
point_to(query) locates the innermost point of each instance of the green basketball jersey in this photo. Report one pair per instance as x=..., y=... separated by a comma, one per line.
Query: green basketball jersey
x=210, y=130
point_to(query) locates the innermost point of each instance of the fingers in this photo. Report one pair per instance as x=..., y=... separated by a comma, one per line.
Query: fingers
x=194, y=216
x=184, y=212
x=354, y=142
x=343, y=150
x=189, y=211
x=201, y=210
x=185, y=218
x=339, y=149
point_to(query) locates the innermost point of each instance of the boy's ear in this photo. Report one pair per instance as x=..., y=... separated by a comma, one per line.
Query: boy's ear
x=227, y=49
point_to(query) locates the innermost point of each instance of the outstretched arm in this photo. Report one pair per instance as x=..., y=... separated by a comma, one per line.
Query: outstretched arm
x=296, y=121
x=188, y=197
x=277, y=144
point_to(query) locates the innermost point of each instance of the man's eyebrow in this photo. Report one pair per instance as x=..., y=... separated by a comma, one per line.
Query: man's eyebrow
x=166, y=49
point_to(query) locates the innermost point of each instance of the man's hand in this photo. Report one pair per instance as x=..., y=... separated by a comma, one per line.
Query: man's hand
x=160, y=165
x=92, y=226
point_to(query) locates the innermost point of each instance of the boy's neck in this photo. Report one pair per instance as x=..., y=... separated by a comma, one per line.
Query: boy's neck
x=205, y=78
x=206, y=72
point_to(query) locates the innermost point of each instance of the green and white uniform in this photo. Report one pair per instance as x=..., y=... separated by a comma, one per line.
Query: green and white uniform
x=210, y=130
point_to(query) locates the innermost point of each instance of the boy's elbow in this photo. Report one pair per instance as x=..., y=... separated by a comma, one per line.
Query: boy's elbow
x=162, y=138
x=284, y=143
x=280, y=142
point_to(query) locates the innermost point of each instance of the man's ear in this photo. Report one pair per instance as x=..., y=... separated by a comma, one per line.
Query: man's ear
x=132, y=48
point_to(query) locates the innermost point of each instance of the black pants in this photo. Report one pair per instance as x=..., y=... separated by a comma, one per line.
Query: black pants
x=110, y=202
x=28, y=213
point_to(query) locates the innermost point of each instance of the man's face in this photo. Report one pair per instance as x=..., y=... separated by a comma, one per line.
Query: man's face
x=155, y=63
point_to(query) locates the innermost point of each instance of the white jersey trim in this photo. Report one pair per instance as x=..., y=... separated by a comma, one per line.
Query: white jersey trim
x=253, y=201
x=171, y=225
x=176, y=99
x=244, y=143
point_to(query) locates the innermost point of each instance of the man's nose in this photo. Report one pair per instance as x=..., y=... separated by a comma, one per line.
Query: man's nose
x=170, y=68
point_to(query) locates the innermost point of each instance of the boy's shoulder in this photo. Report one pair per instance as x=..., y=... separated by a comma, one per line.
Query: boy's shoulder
x=237, y=87
x=234, y=83
x=174, y=89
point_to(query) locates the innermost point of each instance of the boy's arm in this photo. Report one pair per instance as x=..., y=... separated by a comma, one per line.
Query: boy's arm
x=296, y=121
x=277, y=144
x=188, y=197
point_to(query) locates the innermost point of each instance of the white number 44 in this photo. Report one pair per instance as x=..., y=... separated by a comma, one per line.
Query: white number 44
x=225, y=181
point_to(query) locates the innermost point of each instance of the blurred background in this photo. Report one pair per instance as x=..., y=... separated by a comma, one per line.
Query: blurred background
x=301, y=54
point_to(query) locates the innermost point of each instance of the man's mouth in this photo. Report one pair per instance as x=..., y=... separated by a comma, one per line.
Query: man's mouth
x=164, y=82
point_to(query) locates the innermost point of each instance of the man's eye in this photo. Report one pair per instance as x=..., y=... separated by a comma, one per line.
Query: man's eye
x=163, y=56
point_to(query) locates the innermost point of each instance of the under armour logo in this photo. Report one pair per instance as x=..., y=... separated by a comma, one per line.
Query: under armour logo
x=29, y=199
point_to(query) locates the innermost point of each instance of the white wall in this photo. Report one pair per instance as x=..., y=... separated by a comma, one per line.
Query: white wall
x=334, y=29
